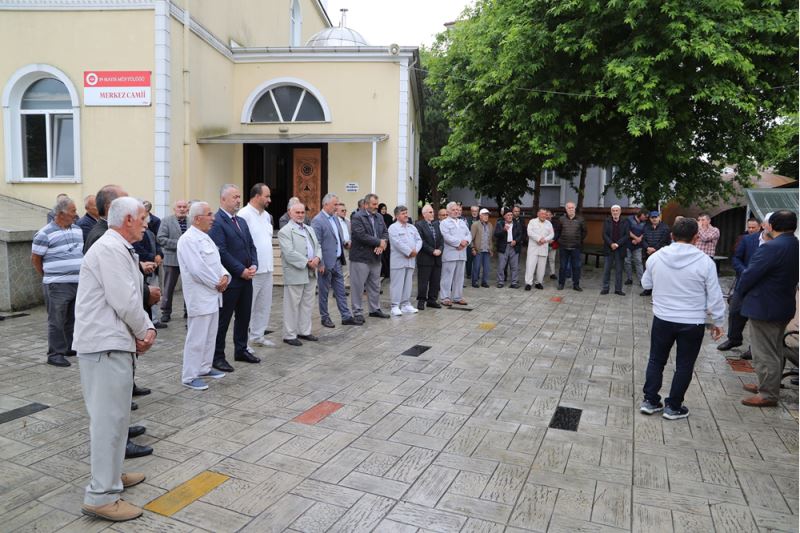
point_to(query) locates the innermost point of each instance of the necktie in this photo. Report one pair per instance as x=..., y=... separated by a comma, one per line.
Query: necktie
x=235, y=221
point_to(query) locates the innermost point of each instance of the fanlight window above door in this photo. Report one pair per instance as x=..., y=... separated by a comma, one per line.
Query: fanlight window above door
x=287, y=103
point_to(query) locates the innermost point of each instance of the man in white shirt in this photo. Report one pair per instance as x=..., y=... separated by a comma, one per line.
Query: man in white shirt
x=540, y=235
x=204, y=281
x=260, y=223
x=456, y=237
x=111, y=327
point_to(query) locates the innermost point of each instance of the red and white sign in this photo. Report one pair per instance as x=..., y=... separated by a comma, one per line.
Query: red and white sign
x=116, y=87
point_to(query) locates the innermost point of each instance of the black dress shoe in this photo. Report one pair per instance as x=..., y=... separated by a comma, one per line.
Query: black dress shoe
x=71, y=353
x=165, y=318
x=646, y=292
x=328, y=323
x=351, y=322
x=553, y=276
x=135, y=431
x=501, y=285
x=140, y=391
x=475, y=286
x=222, y=365
x=560, y=287
x=308, y=337
x=577, y=288
x=604, y=291
x=514, y=286
x=57, y=360
x=293, y=342
x=359, y=319
x=619, y=293
x=378, y=314
x=539, y=286
x=246, y=357
x=485, y=285
x=134, y=450
x=527, y=287
x=160, y=325
x=433, y=304
x=421, y=305
x=134, y=406
x=748, y=355
x=629, y=282
x=727, y=345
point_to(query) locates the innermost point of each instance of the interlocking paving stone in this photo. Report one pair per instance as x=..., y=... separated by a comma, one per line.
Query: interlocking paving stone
x=454, y=439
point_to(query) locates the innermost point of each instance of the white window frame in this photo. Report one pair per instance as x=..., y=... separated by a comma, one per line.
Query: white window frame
x=268, y=86
x=550, y=178
x=14, y=90
x=295, y=24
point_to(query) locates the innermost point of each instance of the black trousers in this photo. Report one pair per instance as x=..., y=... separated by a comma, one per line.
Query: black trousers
x=736, y=322
x=236, y=300
x=428, y=280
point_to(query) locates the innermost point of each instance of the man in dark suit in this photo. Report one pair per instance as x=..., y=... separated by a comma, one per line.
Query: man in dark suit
x=239, y=257
x=767, y=287
x=745, y=249
x=369, y=240
x=616, y=235
x=470, y=220
x=429, y=260
x=331, y=239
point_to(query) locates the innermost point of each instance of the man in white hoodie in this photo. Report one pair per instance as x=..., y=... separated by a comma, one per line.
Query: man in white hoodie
x=685, y=287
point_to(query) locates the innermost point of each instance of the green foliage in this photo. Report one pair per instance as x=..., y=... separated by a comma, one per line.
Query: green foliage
x=668, y=92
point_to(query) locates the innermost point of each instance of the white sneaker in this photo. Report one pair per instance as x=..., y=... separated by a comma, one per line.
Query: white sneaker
x=409, y=309
x=396, y=311
x=263, y=341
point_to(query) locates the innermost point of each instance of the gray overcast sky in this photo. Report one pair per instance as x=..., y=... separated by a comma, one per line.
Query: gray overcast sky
x=405, y=22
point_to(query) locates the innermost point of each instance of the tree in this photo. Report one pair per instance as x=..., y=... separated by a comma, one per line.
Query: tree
x=434, y=133
x=669, y=93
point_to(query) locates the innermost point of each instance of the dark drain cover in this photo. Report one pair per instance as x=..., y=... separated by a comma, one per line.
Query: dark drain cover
x=566, y=418
x=416, y=350
x=19, y=412
x=454, y=308
x=16, y=315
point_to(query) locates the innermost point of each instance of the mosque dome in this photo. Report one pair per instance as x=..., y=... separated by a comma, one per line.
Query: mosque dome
x=337, y=36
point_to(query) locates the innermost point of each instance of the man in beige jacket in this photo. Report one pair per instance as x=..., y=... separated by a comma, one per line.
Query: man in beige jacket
x=111, y=327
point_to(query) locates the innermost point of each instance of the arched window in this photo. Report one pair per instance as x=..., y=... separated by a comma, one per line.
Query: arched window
x=296, y=25
x=41, y=119
x=285, y=100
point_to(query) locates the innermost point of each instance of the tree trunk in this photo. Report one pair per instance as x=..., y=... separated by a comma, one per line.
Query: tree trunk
x=537, y=190
x=581, y=189
x=436, y=194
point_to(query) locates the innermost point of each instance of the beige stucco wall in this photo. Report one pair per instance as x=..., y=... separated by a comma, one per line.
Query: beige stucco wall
x=254, y=23
x=116, y=142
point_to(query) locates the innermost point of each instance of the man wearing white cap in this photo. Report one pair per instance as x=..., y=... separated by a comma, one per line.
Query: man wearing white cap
x=481, y=249
x=540, y=234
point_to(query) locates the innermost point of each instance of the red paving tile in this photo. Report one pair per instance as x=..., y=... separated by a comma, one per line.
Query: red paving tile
x=740, y=365
x=318, y=412
x=556, y=299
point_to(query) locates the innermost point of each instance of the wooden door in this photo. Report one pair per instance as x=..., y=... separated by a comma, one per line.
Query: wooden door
x=307, y=177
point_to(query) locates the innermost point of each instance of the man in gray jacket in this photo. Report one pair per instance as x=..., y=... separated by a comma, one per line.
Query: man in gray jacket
x=369, y=239
x=171, y=229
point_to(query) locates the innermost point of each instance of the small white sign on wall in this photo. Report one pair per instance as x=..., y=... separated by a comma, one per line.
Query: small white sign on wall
x=351, y=187
x=116, y=88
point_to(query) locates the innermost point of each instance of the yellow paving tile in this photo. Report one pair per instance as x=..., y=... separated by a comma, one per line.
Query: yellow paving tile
x=173, y=501
x=486, y=326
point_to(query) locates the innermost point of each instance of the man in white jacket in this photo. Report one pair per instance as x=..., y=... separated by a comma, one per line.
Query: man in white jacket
x=204, y=281
x=540, y=235
x=456, y=237
x=404, y=244
x=111, y=327
x=685, y=287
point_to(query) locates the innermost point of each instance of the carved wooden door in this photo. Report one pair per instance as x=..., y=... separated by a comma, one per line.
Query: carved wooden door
x=307, y=177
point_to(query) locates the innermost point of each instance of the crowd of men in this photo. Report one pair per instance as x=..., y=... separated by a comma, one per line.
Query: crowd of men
x=109, y=281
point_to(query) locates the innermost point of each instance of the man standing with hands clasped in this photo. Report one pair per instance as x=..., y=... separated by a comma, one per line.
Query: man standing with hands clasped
x=239, y=257
x=456, y=237
x=111, y=327
x=204, y=281
x=616, y=235
x=684, y=285
x=301, y=258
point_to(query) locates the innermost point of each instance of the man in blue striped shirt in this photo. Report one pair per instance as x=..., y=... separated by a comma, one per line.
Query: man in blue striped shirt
x=57, y=253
